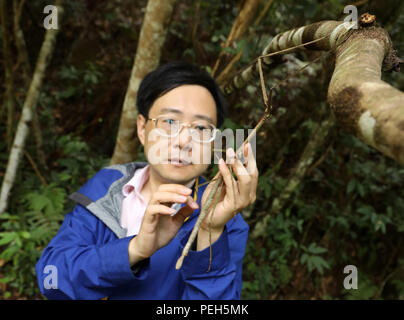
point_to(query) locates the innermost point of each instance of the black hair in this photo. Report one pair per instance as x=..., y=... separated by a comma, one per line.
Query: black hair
x=172, y=75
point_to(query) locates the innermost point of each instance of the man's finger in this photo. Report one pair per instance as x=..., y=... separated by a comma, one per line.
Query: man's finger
x=178, y=188
x=168, y=197
x=154, y=210
x=183, y=213
x=251, y=164
x=244, y=179
x=231, y=185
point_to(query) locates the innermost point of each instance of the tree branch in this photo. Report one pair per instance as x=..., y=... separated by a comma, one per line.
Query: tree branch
x=365, y=105
x=238, y=30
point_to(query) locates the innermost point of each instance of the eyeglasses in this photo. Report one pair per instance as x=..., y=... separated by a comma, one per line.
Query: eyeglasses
x=201, y=131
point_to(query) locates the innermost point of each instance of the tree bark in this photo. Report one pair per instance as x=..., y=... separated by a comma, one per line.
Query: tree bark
x=365, y=105
x=27, y=113
x=9, y=78
x=285, y=43
x=23, y=59
x=368, y=107
x=152, y=36
x=20, y=41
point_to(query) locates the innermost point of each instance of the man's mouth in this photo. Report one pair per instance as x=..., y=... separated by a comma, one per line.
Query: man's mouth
x=179, y=162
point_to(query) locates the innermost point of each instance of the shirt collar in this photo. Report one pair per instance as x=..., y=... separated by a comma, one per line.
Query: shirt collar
x=139, y=179
x=137, y=182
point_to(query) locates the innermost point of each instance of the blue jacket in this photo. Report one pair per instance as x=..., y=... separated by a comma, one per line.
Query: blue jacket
x=90, y=252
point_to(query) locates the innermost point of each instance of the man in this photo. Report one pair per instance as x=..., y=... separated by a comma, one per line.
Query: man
x=123, y=238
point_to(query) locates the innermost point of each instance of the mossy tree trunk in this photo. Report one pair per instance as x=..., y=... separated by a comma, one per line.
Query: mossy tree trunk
x=366, y=106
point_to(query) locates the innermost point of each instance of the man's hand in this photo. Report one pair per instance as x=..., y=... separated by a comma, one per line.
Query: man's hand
x=158, y=227
x=236, y=194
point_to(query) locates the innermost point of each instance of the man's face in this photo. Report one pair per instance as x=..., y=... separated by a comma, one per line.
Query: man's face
x=178, y=159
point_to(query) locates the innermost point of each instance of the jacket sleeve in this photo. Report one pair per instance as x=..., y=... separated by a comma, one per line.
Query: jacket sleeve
x=79, y=265
x=224, y=279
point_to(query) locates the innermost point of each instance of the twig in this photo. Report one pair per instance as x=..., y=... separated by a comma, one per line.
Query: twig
x=297, y=71
x=198, y=223
x=264, y=91
x=263, y=13
x=239, y=28
x=35, y=167
x=232, y=185
x=210, y=224
x=222, y=76
x=207, y=182
x=319, y=161
x=229, y=82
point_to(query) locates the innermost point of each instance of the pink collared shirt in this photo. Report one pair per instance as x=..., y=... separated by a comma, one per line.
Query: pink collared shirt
x=133, y=205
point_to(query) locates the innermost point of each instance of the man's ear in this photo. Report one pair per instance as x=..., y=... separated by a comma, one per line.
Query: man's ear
x=141, y=128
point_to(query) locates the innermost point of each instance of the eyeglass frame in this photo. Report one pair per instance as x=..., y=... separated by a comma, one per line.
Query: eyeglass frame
x=181, y=126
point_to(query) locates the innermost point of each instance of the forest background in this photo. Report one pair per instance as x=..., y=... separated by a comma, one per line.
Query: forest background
x=346, y=207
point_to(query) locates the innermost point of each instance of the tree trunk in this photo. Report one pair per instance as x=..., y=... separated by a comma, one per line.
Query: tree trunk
x=27, y=112
x=23, y=59
x=20, y=41
x=365, y=105
x=152, y=36
x=9, y=79
x=238, y=30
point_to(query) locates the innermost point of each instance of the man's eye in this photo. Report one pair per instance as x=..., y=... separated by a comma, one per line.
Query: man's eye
x=169, y=121
x=201, y=127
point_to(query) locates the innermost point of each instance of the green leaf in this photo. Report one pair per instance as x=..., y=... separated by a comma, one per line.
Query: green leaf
x=265, y=185
x=319, y=263
x=37, y=201
x=7, y=237
x=361, y=189
x=7, y=216
x=64, y=176
x=67, y=93
x=351, y=186
x=299, y=225
x=304, y=258
x=9, y=253
x=366, y=210
x=313, y=248
x=25, y=234
x=6, y=279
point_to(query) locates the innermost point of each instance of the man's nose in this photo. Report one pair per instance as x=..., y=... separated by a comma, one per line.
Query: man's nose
x=184, y=137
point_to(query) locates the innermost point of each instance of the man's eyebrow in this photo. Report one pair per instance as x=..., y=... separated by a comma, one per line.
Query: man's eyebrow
x=203, y=117
x=173, y=110
x=197, y=116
